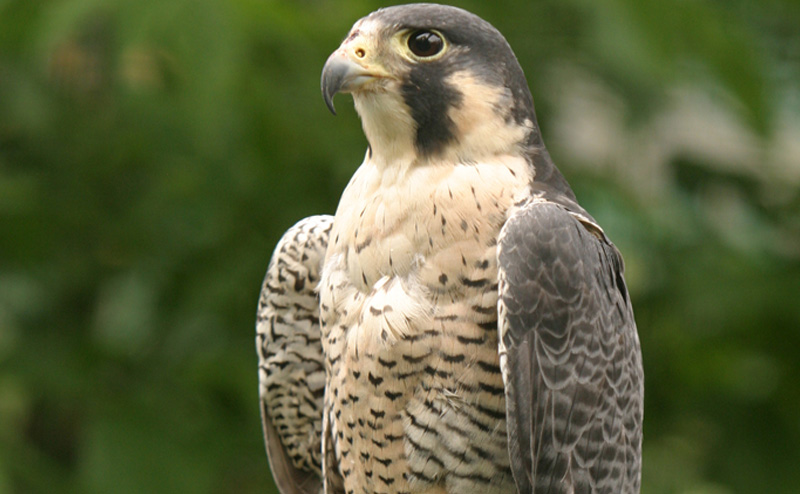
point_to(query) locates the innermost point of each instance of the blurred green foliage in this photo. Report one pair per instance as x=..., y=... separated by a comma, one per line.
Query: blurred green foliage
x=152, y=152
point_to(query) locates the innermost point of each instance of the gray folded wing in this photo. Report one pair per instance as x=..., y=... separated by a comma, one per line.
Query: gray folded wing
x=569, y=354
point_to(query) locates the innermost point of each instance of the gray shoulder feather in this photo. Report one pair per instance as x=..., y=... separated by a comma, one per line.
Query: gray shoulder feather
x=569, y=354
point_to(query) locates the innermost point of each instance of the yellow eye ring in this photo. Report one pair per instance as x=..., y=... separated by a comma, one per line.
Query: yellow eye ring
x=424, y=45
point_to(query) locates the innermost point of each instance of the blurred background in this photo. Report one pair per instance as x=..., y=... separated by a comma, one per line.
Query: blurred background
x=152, y=152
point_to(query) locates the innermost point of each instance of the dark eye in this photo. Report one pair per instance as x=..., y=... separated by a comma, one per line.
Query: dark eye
x=425, y=43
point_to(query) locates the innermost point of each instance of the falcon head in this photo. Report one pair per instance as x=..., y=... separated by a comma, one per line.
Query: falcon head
x=433, y=83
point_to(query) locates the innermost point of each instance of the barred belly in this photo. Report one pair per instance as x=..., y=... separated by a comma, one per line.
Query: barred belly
x=418, y=407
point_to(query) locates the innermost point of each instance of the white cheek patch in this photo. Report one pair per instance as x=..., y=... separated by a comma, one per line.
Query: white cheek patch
x=482, y=119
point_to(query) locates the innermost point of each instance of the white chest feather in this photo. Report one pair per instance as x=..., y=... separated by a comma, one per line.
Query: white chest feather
x=405, y=239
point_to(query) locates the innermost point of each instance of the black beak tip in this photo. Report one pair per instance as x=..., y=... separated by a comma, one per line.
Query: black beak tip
x=329, y=104
x=328, y=96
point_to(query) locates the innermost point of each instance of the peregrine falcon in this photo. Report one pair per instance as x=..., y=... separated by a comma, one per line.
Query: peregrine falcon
x=461, y=324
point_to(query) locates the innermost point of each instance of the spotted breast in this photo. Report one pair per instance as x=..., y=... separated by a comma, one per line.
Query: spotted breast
x=415, y=396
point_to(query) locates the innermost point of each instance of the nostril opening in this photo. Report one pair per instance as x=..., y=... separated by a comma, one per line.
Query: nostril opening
x=360, y=53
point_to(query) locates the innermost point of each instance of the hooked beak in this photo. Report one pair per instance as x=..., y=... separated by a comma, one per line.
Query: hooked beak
x=342, y=74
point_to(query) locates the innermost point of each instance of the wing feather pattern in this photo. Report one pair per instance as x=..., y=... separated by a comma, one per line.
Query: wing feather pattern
x=290, y=364
x=570, y=355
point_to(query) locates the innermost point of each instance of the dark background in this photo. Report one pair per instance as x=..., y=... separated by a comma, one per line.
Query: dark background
x=152, y=152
